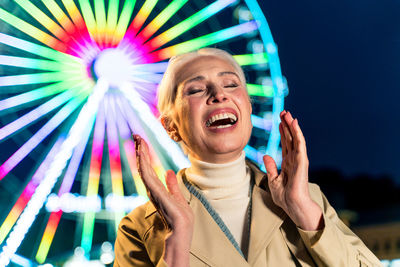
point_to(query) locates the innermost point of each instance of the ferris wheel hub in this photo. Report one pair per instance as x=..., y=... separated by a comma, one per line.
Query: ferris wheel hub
x=114, y=66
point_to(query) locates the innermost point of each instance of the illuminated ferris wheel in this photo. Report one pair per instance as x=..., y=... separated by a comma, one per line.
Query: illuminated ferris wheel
x=77, y=78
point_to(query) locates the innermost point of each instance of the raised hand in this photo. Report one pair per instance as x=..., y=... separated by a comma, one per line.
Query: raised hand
x=289, y=188
x=171, y=205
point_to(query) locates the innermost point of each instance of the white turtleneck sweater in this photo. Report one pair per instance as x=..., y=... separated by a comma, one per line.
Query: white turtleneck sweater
x=226, y=188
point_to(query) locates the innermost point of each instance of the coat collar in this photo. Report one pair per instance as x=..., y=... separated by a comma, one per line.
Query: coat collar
x=266, y=220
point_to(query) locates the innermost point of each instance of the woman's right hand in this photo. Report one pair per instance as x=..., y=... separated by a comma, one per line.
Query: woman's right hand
x=171, y=205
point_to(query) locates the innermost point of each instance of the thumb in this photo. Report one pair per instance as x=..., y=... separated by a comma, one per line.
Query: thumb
x=270, y=166
x=172, y=185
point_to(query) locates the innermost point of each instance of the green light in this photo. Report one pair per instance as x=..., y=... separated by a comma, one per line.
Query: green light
x=142, y=15
x=260, y=90
x=36, y=78
x=58, y=13
x=163, y=17
x=100, y=12
x=39, y=64
x=124, y=19
x=251, y=59
x=39, y=93
x=87, y=232
x=88, y=16
x=112, y=16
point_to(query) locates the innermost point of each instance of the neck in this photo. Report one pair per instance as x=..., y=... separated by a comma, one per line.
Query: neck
x=216, y=158
x=219, y=181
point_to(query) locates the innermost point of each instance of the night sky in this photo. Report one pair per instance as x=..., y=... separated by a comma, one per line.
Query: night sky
x=341, y=59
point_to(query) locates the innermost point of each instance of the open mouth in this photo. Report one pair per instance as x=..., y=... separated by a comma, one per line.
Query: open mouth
x=222, y=120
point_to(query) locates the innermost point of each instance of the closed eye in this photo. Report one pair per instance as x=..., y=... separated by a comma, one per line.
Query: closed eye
x=231, y=85
x=194, y=91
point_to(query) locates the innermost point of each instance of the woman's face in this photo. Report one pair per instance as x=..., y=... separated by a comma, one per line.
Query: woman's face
x=212, y=110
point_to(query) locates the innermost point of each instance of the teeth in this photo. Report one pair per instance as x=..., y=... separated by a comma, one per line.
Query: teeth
x=221, y=116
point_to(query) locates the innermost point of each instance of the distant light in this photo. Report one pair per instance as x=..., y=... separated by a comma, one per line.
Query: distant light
x=123, y=203
x=106, y=247
x=79, y=252
x=256, y=46
x=107, y=258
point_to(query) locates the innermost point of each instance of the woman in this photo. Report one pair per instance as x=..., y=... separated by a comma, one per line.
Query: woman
x=223, y=211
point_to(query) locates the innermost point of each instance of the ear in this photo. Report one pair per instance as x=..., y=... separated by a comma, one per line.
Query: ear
x=171, y=128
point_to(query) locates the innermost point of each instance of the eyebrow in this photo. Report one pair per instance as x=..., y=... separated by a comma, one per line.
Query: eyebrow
x=200, y=77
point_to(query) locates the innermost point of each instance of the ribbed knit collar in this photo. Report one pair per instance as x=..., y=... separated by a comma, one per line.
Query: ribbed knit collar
x=220, y=181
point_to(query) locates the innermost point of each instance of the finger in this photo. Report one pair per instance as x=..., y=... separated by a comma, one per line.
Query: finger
x=172, y=185
x=299, y=140
x=270, y=166
x=283, y=140
x=293, y=130
x=286, y=131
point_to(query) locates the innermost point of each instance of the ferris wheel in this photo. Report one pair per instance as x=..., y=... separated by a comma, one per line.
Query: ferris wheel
x=77, y=79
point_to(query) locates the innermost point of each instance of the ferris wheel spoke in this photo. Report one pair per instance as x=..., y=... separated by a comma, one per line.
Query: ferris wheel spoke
x=44, y=20
x=88, y=18
x=39, y=112
x=114, y=156
x=65, y=187
x=159, y=21
x=60, y=16
x=36, y=78
x=260, y=90
x=140, y=18
x=26, y=98
x=187, y=24
x=146, y=77
x=39, y=50
x=202, y=41
x=158, y=67
x=112, y=18
x=31, y=63
x=129, y=146
x=75, y=15
x=94, y=177
x=251, y=59
x=261, y=123
x=123, y=21
x=32, y=31
x=30, y=188
x=100, y=13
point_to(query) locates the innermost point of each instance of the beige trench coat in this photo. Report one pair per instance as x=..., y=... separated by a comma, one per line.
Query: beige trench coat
x=274, y=238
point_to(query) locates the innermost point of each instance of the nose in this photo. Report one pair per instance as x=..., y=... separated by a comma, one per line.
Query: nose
x=217, y=95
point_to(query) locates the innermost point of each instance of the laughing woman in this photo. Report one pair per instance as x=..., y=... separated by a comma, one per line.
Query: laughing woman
x=222, y=210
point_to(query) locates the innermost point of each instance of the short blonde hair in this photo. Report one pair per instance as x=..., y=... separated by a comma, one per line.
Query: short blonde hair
x=168, y=86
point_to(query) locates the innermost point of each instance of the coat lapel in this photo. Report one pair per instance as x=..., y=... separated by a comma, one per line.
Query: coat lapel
x=219, y=252
x=266, y=217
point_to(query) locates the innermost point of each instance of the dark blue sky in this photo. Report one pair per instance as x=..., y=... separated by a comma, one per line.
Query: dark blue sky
x=341, y=59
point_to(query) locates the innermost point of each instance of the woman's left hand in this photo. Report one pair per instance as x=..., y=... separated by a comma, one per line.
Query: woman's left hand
x=289, y=188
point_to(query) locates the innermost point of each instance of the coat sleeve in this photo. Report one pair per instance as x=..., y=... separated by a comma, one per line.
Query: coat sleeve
x=130, y=248
x=336, y=244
